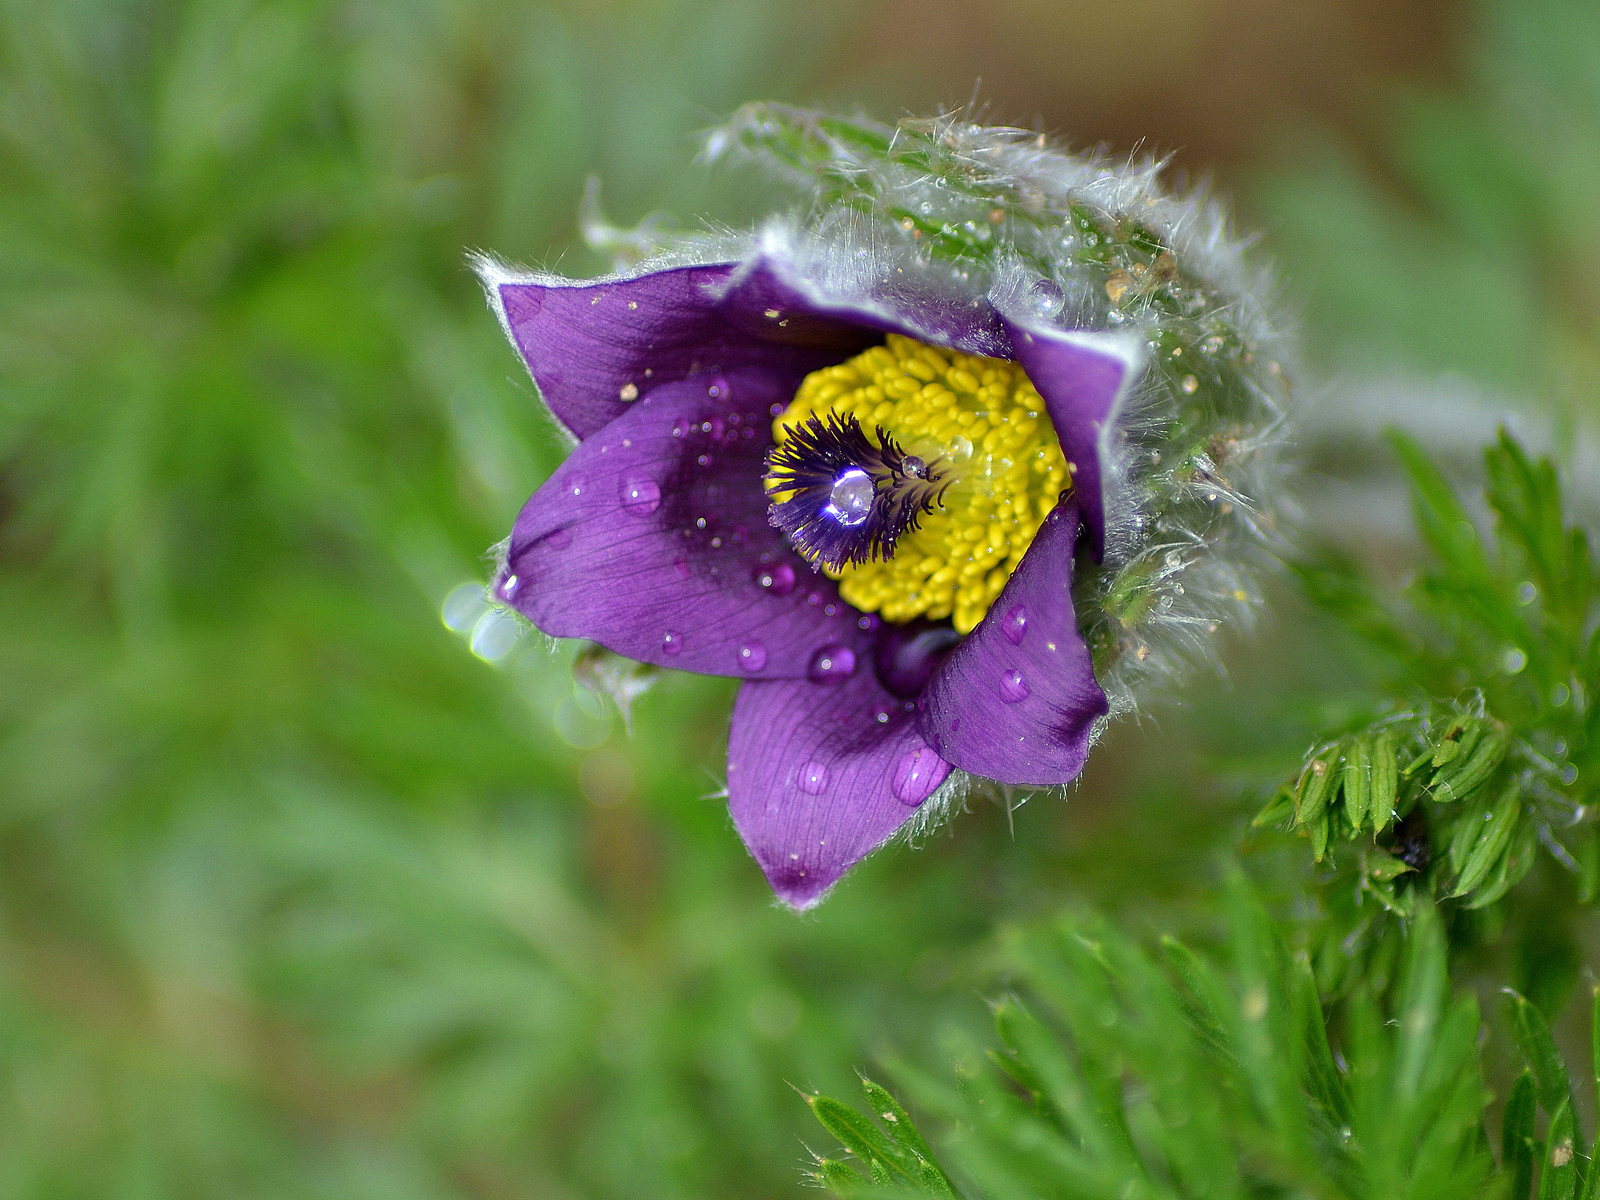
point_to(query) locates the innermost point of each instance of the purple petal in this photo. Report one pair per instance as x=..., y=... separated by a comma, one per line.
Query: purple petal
x=652, y=539
x=1017, y=699
x=820, y=775
x=804, y=306
x=592, y=347
x=1082, y=377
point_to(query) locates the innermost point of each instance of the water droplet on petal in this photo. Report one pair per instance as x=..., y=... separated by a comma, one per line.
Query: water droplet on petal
x=831, y=664
x=752, y=656
x=671, y=643
x=777, y=579
x=867, y=622
x=915, y=776
x=641, y=495
x=1015, y=624
x=1014, y=688
x=575, y=487
x=812, y=778
x=720, y=388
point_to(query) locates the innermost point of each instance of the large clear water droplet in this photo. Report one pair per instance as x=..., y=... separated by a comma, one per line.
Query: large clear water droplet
x=915, y=776
x=831, y=664
x=641, y=495
x=752, y=656
x=1015, y=624
x=777, y=579
x=812, y=778
x=1014, y=688
x=850, y=501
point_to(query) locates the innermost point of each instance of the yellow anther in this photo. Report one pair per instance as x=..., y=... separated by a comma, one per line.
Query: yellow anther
x=982, y=425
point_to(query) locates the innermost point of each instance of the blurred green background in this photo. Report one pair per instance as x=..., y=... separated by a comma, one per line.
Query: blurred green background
x=301, y=897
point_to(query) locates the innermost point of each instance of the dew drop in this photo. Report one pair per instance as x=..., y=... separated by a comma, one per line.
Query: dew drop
x=575, y=487
x=1014, y=688
x=850, y=501
x=915, y=776
x=1015, y=624
x=832, y=664
x=720, y=389
x=812, y=778
x=752, y=656
x=867, y=622
x=641, y=495
x=777, y=579
x=671, y=643
x=508, y=589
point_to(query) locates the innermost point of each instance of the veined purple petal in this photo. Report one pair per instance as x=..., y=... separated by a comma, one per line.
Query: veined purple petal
x=775, y=297
x=652, y=539
x=1083, y=378
x=820, y=775
x=594, y=347
x=1017, y=699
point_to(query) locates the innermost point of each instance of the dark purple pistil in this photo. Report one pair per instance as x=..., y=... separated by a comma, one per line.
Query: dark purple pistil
x=846, y=499
x=906, y=656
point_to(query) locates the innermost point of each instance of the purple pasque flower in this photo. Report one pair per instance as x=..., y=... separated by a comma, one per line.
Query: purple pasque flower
x=662, y=538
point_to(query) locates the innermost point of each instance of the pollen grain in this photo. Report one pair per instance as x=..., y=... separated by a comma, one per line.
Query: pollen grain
x=981, y=421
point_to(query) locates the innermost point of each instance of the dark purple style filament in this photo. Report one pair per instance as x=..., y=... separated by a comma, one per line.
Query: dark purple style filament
x=847, y=499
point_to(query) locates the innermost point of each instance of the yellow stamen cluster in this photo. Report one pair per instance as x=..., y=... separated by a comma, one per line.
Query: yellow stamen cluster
x=981, y=425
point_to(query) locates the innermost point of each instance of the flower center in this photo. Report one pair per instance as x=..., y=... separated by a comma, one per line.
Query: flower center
x=962, y=464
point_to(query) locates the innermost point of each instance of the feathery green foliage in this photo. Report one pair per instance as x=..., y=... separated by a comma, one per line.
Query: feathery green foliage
x=1123, y=1073
x=1127, y=1074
